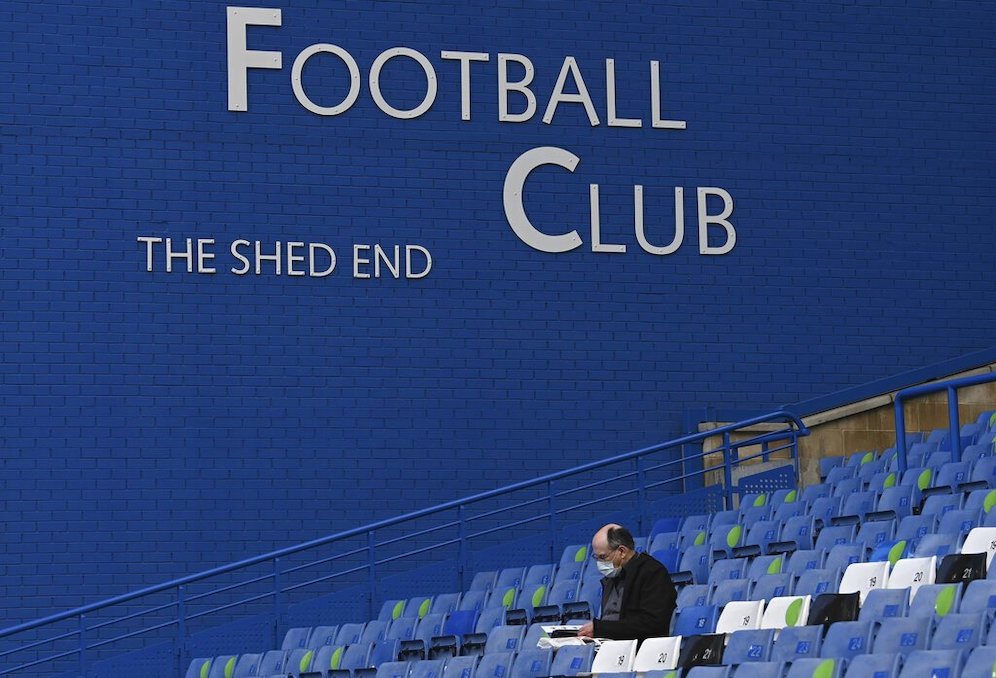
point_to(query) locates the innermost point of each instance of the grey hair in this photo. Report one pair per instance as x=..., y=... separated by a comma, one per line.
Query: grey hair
x=620, y=536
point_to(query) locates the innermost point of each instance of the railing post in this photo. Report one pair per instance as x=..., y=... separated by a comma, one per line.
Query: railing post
x=641, y=497
x=795, y=456
x=372, y=575
x=900, y=436
x=551, y=507
x=277, y=602
x=462, y=547
x=954, y=434
x=82, y=646
x=727, y=472
x=181, y=629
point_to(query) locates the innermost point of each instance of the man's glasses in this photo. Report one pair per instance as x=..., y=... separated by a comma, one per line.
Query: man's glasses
x=604, y=556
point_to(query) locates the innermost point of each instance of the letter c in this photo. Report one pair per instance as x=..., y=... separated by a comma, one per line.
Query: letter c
x=515, y=213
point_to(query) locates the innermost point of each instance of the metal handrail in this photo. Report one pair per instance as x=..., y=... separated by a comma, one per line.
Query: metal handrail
x=954, y=426
x=729, y=450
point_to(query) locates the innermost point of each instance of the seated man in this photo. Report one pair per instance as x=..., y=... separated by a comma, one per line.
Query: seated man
x=638, y=596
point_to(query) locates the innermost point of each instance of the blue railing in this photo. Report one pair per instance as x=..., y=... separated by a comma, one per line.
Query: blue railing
x=954, y=426
x=364, y=554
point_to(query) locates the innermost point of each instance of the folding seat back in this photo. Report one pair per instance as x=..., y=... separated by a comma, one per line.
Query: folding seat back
x=750, y=645
x=272, y=662
x=575, y=553
x=666, y=524
x=847, y=639
x=247, y=665
x=882, y=604
x=430, y=626
x=981, y=540
x=839, y=474
x=326, y=658
x=811, y=493
x=418, y=606
x=490, y=617
x=789, y=510
x=542, y=573
x=912, y=573
x=938, y=505
x=825, y=508
x=931, y=663
x=724, y=519
x=817, y=582
x=816, y=668
x=739, y=615
x=936, y=545
x=895, y=502
x=483, y=581
x=669, y=558
x=827, y=464
x=805, y=559
x=730, y=590
x=863, y=577
x=298, y=661
x=393, y=670
x=402, y=628
x=296, y=638
x=784, y=496
x=375, y=630
x=962, y=568
x=198, y=668
x=797, y=642
x=871, y=534
x=355, y=656
x=842, y=555
x=727, y=568
x=759, y=537
x=772, y=586
x=701, y=655
x=755, y=514
x=959, y=632
x=753, y=499
x=505, y=598
x=935, y=600
x=571, y=571
x=427, y=668
x=726, y=538
x=959, y=522
x=980, y=662
x=798, y=533
x=698, y=522
x=695, y=564
x=614, y=656
x=834, y=535
x=532, y=597
x=563, y=591
x=494, y=665
x=444, y=603
x=505, y=639
x=830, y=608
x=980, y=596
x=664, y=540
x=694, y=595
x=572, y=660
x=902, y=635
x=785, y=611
x=883, y=479
x=591, y=593
x=510, y=577
x=391, y=610
x=321, y=635
x=854, y=507
x=952, y=474
x=847, y=486
x=348, y=634
x=696, y=620
x=982, y=501
x=459, y=667
x=657, y=654
x=532, y=663
x=913, y=528
x=762, y=565
x=874, y=666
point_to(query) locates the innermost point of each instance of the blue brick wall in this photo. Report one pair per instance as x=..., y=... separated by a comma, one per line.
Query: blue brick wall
x=154, y=424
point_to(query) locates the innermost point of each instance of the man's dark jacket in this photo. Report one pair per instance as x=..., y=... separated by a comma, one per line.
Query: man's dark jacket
x=648, y=601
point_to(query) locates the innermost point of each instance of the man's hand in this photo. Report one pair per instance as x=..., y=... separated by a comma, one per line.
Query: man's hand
x=587, y=631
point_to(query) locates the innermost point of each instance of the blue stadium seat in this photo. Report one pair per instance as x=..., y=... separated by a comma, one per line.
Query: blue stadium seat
x=812, y=492
x=759, y=537
x=724, y=519
x=755, y=514
x=504, y=598
x=935, y=600
x=727, y=568
x=847, y=639
x=375, y=630
x=391, y=610
x=773, y=586
x=833, y=535
x=759, y=670
x=816, y=668
x=842, y=555
x=902, y=635
x=694, y=525
x=959, y=632
x=872, y=534
x=726, y=538
x=349, y=634
x=980, y=596
x=981, y=662
x=510, y=577
x=445, y=603
x=884, y=479
x=505, y=639
x=572, y=660
x=893, y=503
x=913, y=528
x=982, y=501
x=402, y=628
x=829, y=608
x=695, y=564
x=932, y=664
x=665, y=540
x=950, y=476
x=695, y=620
x=246, y=666
x=474, y=599
x=695, y=595
x=666, y=524
x=460, y=667
x=829, y=463
x=326, y=658
x=729, y=590
x=383, y=651
x=789, y=510
x=460, y=623
x=825, y=508
x=815, y=582
x=532, y=597
x=532, y=663
x=428, y=668
x=936, y=544
x=198, y=668
x=490, y=617
x=429, y=626
x=393, y=670
x=707, y=672
x=569, y=571
x=575, y=553
x=854, y=508
x=495, y=665
x=563, y=591
x=805, y=559
x=847, y=487
x=533, y=634
x=483, y=581
x=322, y=635
x=797, y=642
x=797, y=534
x=355, y=656
x=418, y=606
x=542, y=573
x=840, y=474
x=939, y=504
x=882, y=604
x=959, y=522
x=876, y=665
x=752, y=645
x=764, y=565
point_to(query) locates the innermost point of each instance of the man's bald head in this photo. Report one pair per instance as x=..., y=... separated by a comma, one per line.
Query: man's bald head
x=612, y=536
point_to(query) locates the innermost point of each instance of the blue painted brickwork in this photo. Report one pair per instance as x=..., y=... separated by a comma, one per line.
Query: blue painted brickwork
x=154, y=424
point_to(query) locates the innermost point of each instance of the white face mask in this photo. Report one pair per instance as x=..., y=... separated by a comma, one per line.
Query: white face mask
x=607, y=569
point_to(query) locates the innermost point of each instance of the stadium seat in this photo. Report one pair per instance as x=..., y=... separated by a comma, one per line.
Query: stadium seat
x=669, y=558
x=691, y=621
x=816, y=668
x=695, y=565
x=979, y=596
x=198, y=668
x=786, y=611
x=829, y=463
x=665, y=540
x=863, y=577
x=322, y=635
x=749, y=645
x=843, y=555
x=959, y=632
x=694, y=595
x=326, y=658
x=393, y=670
x=657, y=654
x=510, y=577
x=797, y=534
x=936, y=544
x=876, y=665
x=911, y=573
x=246, y=666
x=504, y=598
x=428, y=668
x=847, y=639
x=935, y=600
x=571, y=660
x=983, y=475
x=816, y=582
x=939, y=504
x=542, y=573
x=391, y=610
x=806, y=559
x=825, y=508
x=913, y=528
x=489, y=619
x=854, y=508
x=882, y=604
x=981, y=540
x=982, y=501
x=773, y=586
x=834, y=535
x=724, y=539
x=383, y=651
x=959, y=522
x=724, y=519
x=483, y=581
x=902, y=635
x=894, y=503
x=355, y=656
x=445, y=603
x=932, y=663
x=505, y=639
x=763, y=565
x=460, y=667
x=981, y=662
x=532, y=663
x=614, y=656
x=709, y=671
x=814, y=491
x=961, y=568
x=402, y=628
x=872, y=534
x=429, y=626
x=494, y=665
x=797, y=642
x=374, y=631
x=349, y=634
x=563, y=591
x=727, y=568
x=739, y=615
x=789, y=510
x=296, y=638
x=759, y=537
x=702, y=651
x=829, y=608
x=729, y=590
